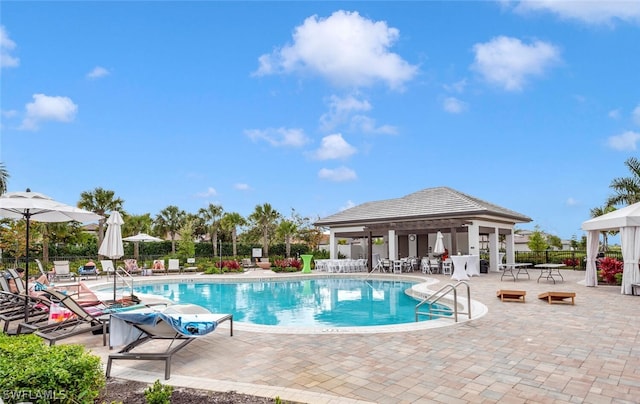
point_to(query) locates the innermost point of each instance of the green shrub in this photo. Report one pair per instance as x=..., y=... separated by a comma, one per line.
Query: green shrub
x=158, y=393
x=32, y=371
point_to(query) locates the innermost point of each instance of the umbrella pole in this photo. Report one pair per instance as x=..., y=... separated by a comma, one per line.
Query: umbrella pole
x=115, y=273
x=26, y=278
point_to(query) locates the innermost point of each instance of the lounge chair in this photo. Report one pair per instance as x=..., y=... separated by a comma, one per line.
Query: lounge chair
x=88, y=271
x=158, y=267
x=80, y=323
x=174, y=266
x=62, y=271
x=131, y=267
x=191, y=265
x=108, y=268
x=181, y=324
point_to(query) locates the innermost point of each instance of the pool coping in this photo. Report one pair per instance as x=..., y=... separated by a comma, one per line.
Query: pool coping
x=421, y=288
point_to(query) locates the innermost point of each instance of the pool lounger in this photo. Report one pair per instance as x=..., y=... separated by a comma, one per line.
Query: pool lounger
x=181, y=324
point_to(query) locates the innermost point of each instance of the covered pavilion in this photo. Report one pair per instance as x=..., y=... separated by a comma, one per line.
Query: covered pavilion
x=408, y=225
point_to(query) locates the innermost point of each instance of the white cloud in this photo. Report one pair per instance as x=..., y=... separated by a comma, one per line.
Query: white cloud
x=572, y=202
x=345, y=48
x=614, y=114
x=208, y=193
x=588, y=11
x=624, y=142
x=454, y=105
x=341, y=109
x=6, y=46
x=508, y=62
x=279, y=136
x=457, y=87
x=337, y=174
x=366, y=124
x=348, y=205
x=241, y=187
x=9, y=113
x=635, y=115
x=97, y=73
x=48, y=108
x=334, y=147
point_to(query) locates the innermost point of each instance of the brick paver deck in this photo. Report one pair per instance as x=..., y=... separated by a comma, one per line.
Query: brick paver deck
x=516, y=353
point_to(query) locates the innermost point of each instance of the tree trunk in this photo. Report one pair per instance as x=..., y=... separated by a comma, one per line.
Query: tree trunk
x=234, y=238
x=265, y=243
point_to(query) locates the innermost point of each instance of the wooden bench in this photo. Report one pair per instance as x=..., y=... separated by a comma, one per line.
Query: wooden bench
x=558, y=297
x=511, y=295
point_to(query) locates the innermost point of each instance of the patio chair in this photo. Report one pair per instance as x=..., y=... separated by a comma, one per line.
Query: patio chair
x=48, y=274
x=108, y=268
x=191, y=265
x=62, y=271
x=81, y=322
x=447, y=266
x=424, y=266
x=434, y=266
x=174, y=266
x=131, y=266
x=158, y=266
x=181, y=324
x=88, y=271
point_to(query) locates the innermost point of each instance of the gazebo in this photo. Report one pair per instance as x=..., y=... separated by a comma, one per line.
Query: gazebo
x=627, y=221
x=408, y=225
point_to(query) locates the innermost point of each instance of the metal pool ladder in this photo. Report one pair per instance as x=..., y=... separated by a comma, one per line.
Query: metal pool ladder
x=439, y=294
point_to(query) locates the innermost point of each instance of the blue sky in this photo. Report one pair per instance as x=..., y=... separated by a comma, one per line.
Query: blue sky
x=319, y=106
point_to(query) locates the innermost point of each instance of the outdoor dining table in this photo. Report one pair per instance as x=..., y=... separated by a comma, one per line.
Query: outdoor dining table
x=459, y=270
x=507, y=269
x=547, y=269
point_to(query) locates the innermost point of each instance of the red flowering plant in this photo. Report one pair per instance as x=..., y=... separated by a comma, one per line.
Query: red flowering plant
x=287, y=265
x=571, y=262
x=609, y=267
x=229, y=266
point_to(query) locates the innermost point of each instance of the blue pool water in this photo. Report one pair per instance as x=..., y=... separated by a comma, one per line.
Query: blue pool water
x=326, y=302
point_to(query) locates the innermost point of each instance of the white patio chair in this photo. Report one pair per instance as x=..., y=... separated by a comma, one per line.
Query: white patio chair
x=424, y=266
x=174, y=265
x=397, y=266
x=447, y=266
x=108, y=268
x=434, y=266
x=62, y=271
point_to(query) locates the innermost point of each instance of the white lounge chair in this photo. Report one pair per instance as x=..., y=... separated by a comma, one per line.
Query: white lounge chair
x=62, y=271
x=174, y=266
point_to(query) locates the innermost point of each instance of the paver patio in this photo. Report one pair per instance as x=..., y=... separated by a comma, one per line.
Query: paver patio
x=516, y=353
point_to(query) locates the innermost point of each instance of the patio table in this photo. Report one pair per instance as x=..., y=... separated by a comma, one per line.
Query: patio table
x=547, y=269
x=459, y=270
x=507, y=269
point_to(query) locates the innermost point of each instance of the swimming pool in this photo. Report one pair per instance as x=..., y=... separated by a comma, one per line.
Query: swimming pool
x=321, y=302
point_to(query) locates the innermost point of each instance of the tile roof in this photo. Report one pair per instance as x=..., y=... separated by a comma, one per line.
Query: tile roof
x=428, y=203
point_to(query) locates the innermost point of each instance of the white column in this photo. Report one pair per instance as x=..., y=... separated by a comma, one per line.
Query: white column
x=510, y=246
x=393, y=245
x=473, y=239
x=333, y=245
x=494, y=248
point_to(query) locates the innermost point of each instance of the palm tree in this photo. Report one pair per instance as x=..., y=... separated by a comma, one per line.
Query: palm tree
x=599, y=211
x=265, y=217
x=4, y=176
x=627, y=189
x=170, y=220
x=210, y=217
x=285, y=231
x=100, y=201
x=230, y=222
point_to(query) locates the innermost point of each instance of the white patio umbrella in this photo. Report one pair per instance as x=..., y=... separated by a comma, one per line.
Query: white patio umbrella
x=438, y=248
x=112, y=244
x=141, y=238
x=40, y=208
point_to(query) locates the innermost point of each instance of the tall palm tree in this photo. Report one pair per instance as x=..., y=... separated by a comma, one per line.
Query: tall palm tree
x=4, y=176
x=599, y=211
x=231, y=221
x=265, y=217
x=102, y=202
x=627, y=189
x=210, y=218
x=169, y=221
x=285, y=231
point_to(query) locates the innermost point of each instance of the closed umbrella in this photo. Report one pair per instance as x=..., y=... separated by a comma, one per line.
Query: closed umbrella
x=40, y=208
x=112, y=244
x=438, y=248
x=141, y=238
